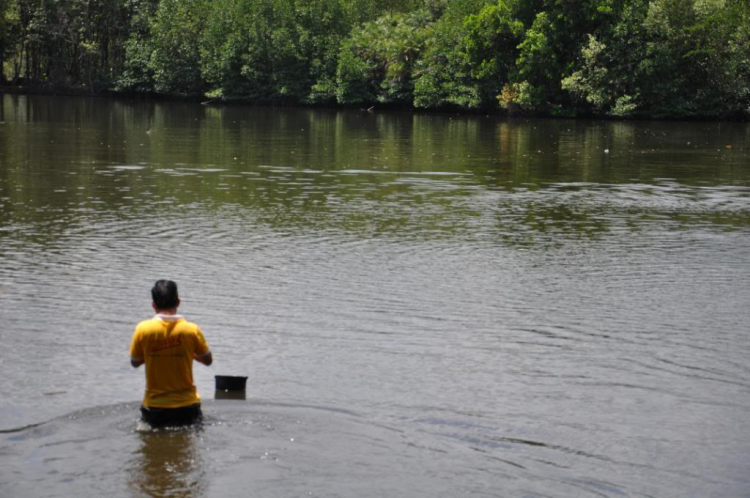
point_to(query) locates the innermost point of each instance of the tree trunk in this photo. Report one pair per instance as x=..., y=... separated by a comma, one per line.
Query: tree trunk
x=3, y=79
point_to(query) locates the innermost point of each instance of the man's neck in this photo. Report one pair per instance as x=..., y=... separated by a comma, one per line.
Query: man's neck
x=168, y=317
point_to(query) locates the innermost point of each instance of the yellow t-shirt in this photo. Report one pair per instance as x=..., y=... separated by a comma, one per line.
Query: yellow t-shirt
x=167, y=344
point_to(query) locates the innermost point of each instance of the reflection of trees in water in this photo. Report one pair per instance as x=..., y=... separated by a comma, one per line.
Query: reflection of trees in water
x=112, y=164
x=168, y=463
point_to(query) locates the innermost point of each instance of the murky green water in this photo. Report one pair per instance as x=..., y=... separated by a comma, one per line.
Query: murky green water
x=425, y=305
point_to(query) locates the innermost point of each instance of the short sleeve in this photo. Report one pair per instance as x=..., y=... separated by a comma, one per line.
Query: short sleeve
x=201, y=346
x=136, y=346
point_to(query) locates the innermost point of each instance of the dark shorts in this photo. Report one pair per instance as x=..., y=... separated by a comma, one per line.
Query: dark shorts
x=162, y=417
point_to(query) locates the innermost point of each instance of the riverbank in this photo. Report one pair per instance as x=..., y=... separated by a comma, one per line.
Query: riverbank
x=515, y=111
x=73, y=91
x=641, y=59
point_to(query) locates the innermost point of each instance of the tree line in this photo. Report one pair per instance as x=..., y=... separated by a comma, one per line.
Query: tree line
x=639, y=58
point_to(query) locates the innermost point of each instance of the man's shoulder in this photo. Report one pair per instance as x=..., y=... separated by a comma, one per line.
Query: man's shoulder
x=148, y=326
x=148, y=322
x=156, y=324
x=187, y=326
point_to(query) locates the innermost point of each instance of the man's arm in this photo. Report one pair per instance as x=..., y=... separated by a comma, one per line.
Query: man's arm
x=136, y=350
x=205, y=358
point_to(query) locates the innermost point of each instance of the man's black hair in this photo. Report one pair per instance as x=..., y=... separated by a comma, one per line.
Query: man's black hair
x=164, y=294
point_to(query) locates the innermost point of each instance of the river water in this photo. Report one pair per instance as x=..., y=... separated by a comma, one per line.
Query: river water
x=425, y=305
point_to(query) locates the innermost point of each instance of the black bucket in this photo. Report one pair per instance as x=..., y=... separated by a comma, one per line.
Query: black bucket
x=229, y=383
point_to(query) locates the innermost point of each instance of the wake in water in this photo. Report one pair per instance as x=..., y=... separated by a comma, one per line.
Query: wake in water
x=264, y=449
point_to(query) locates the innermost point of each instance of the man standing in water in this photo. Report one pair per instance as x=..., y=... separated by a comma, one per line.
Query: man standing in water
x=168, y=344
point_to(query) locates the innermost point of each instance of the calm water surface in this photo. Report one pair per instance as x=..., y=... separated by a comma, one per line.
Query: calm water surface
x=425, y=305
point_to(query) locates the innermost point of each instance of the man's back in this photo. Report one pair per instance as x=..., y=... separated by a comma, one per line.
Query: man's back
x=167, y=344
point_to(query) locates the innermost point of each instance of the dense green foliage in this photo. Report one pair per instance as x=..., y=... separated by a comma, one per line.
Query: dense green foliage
x=660, y=58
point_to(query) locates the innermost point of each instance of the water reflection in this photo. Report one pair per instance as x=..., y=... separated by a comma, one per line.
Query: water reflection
x=67, y=160
x=222, y=394
x=169, y=463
